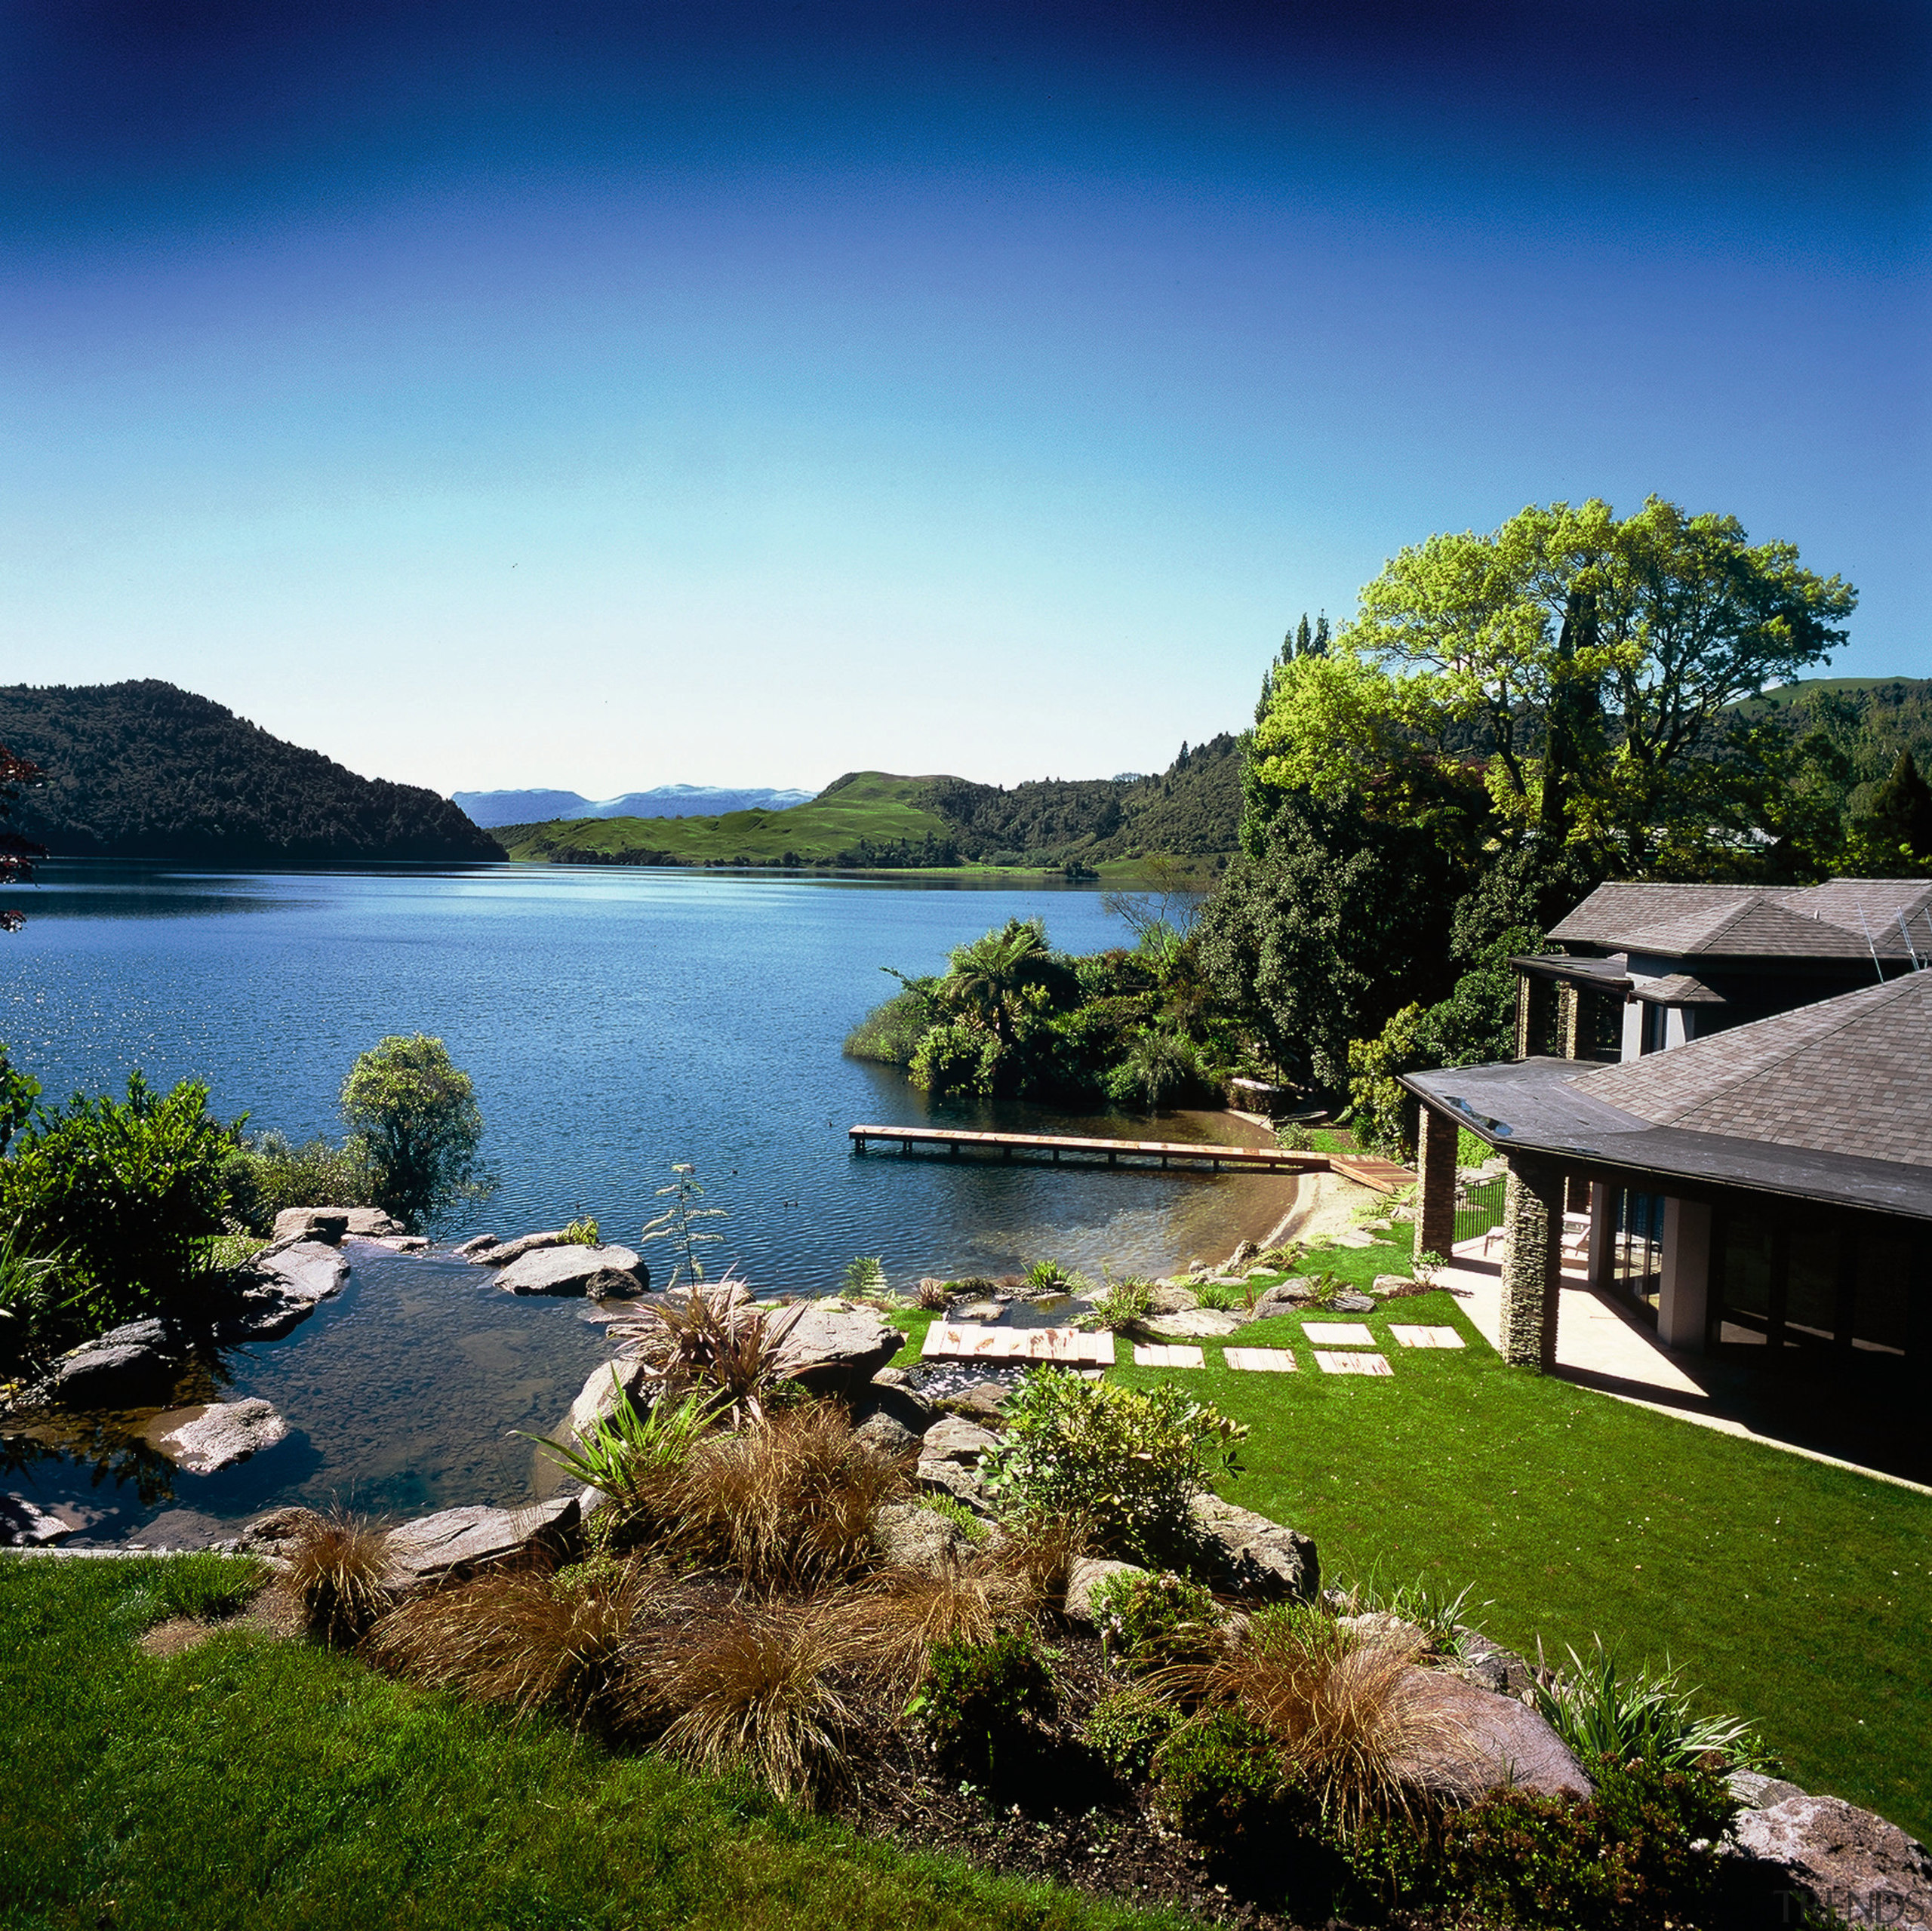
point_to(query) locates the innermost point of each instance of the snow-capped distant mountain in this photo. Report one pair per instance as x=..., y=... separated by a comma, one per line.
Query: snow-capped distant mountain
x=489, y=809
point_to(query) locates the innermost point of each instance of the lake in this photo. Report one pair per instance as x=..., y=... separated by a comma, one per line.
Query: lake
x=614, y=1021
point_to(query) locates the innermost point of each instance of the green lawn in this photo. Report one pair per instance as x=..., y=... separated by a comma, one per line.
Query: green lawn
x=253, y=1783
x=1795, y=1593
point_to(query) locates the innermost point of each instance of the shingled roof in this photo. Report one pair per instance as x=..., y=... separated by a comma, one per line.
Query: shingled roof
x=1846, y=918
x=1850, y=1075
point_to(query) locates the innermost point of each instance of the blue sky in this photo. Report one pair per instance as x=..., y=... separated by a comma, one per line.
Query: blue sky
x=607, y=396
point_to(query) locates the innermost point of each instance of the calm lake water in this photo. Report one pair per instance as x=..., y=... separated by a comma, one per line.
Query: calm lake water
x=614, y=1022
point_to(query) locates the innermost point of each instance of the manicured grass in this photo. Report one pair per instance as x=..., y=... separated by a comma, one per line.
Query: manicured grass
x=250, y=1782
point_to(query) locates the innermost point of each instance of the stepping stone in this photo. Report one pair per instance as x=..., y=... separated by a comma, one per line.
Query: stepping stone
x=969, y=1341
x=1259, y=1360
x=1352, y=1364
x=1426, y=1337
x=1338, y=1334
x=1152, y=1354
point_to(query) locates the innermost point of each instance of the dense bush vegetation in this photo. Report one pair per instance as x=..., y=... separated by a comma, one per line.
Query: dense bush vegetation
x=414, y=1118
x=143, y=770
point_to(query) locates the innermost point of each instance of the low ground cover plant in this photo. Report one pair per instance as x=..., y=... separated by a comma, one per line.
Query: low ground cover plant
x=1124, y=1308
x=1149, y=1620
x=979, y=1699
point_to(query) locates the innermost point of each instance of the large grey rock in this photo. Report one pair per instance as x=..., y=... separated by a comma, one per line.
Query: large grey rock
x=25, y=1525
x=910, y=1536
x=293, y=1222
x=1251, y=1555
x=1489, y=1666
x=887, y=1436
x=1244, y=1252
x=950, y=1460
x=905, y=1405
x=1170, y=1297
x=477, y=1246
x=1197, y=1324
x=1841, y=1858
x=835, y=1351
x=126, y=1367
x=1084, y=1575
x=1386, y=1631
x=1284, y=1297
x=201, y=1440
x=597, y=1398
x=1467, y=1741
x=1756, y=1792
x=284, y=1288
x=458, y=1540
x=499, y=1254
x=276, y=1533
x=598, y=1272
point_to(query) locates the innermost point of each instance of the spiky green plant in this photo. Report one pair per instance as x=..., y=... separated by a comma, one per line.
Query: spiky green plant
x=1602, y=1712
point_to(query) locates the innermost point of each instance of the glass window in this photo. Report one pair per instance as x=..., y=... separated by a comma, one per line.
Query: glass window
x=1744, y=1282
x=1880, y=1318
x=1811, y=1292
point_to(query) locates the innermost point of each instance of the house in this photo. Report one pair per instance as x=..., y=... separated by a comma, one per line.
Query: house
x=1751, y=1168
x=1647, y=967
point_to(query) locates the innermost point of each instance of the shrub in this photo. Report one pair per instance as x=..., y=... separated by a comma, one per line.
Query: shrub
x=865, y=1274
x=205, y=1584
x=1640, y=1855
x=977, y=1699
x=897, y=1620
x=126, y=1194
x=269, y=1173
x=1044, y=1277
x=1124, y=1462
x=891, y=1033
x=1125, y=1307
x=702, y=1344
x=1604, y=1715
x=1334, y=1711
x=749, y=1685
x=1219, y=1778
x=523, y=1636
x=788, y=1505
x=584, y=1232
x=37, y=1298
x=335, y=1573
x=416, y=1116
x=1223, y=1294
x=957, y=1057
x=1148, y=1621
x=1125, y=1730
x=1295, y=1139
x=1160, y=1065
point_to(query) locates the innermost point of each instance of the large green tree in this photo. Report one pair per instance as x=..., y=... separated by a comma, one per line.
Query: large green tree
x=1586, y=659
x=416, y=1113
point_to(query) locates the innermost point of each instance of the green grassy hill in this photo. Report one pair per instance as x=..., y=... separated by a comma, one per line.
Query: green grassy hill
x=874, y=820
x=868, y=818
x=1803, y=689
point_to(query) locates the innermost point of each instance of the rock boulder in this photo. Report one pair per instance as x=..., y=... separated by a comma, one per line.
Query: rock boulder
x=949, y=1462
x=1469, y=1740
x=598, y=1395
x=499, y=1254
x=296, y=1222
x=910, y=1536
x=1251, y=1556
x=282, y=1290
x=1841, y=1858
x=1084, y=1576
x=126, y=1367
x=829, y=1352
x=887, y=1436
x=1198, y=1323
x=458, y=1540
x=202, y=1440
x=598, y=1272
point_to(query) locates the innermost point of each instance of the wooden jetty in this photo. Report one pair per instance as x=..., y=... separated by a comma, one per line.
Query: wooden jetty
x=957, y=1140
x=1384, y=1175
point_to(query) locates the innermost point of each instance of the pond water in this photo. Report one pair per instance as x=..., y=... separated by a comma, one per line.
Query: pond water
x=614, y=1021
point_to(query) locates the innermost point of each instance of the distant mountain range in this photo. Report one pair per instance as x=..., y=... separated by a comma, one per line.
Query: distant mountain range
x=492, y=809
x=143, y=770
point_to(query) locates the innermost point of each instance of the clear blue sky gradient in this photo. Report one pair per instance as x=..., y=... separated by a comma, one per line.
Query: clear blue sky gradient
x=605, y=396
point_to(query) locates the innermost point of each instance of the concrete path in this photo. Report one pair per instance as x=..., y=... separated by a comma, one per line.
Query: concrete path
x=1599, y=1345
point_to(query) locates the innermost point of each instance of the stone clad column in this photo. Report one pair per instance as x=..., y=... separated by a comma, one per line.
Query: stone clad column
x=1532, y=1267
x=1436, y=1197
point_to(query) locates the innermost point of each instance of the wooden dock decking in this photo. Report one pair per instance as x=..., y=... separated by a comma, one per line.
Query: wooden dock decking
x=1384, y=1175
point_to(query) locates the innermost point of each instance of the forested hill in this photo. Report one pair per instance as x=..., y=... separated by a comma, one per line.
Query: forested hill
x=145, y=770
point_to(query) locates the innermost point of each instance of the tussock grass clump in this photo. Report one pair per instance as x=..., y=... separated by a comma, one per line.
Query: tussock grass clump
x=336, y=1563
x=1334, y=1712
x=711, y=1343
x=523, y=1637
x=788, y=1506
x=933, y=1296
x=750, y=1685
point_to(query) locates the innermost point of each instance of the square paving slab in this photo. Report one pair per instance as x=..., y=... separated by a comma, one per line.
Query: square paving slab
x=1338, y=1334
x=1426, y=1337
x=972, y=1341
x=1352, y=1363
x=1152, y=1354
x=1259, y=1360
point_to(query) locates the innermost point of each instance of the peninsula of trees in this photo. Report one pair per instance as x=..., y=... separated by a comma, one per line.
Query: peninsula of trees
x=143, y=770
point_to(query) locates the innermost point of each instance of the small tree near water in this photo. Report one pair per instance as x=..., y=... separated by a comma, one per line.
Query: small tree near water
x=417, y=1114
